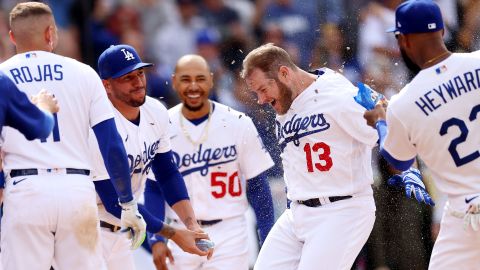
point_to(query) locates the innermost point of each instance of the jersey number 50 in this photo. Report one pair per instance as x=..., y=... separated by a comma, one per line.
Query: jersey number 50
x=324, y=156
x=452, y=148
x=233, y=185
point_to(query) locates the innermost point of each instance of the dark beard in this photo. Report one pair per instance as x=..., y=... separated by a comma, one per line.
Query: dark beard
x=414, y=68
x=129, y=101
x=193, y=109
x=285, y=99
x=135, y=103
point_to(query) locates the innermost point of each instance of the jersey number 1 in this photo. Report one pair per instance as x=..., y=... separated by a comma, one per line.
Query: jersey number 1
x=55, y=131
x=324, y=156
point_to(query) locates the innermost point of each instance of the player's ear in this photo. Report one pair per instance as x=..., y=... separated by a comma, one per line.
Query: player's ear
x=12, y=37
x=107, y=86
x=283, y=74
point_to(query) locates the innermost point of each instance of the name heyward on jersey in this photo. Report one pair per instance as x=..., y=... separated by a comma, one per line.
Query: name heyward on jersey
x=449, y=90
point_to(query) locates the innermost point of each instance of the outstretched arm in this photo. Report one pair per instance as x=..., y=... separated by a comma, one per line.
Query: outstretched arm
x=260, y=198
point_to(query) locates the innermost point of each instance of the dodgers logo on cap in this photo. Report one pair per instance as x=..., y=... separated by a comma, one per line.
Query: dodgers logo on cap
x=119, y=60
x=417, y=16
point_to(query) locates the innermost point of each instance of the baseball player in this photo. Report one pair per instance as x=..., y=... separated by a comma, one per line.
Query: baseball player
x=326, y=155
x=435, y=116
x=53, y=174
x=222, y=159
x=143, y=125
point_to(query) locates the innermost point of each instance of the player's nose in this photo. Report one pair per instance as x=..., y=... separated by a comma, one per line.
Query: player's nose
x=262, y=99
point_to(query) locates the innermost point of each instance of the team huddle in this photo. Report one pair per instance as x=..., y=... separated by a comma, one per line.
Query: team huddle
x=79, y=149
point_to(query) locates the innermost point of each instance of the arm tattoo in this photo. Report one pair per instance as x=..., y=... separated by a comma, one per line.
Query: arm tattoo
x=167, y=231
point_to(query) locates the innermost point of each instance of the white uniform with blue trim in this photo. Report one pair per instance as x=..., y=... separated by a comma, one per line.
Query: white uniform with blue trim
x=142, y=142
x=215, y=173
x=326, y=151
x=437, y=117
x=53, y=215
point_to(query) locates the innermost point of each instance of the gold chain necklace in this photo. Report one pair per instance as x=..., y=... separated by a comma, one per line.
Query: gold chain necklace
x=204, y=134
x=436, y=58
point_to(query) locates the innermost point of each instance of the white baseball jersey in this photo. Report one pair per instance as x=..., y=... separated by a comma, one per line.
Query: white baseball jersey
x=141, y=142
x=437, y=116
x=216, y=170
x=325, y=141
x=81, y=96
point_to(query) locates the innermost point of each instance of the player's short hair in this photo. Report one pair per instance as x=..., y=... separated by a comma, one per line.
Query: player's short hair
x=29, y=9
x=268, y=58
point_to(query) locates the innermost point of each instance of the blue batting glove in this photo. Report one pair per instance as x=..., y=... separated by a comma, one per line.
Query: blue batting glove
x=411, y=179
x=367, y=97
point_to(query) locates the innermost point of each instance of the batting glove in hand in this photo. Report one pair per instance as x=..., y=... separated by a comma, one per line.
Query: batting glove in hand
x=133, y=223
x=411, y=179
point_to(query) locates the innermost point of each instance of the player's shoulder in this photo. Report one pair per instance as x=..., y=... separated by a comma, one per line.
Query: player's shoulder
x=154, y=105
x=228, y=112
x=175, y=109
x=334, y=83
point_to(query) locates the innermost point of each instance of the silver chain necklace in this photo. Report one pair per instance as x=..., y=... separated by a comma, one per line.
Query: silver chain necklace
x=204, y=134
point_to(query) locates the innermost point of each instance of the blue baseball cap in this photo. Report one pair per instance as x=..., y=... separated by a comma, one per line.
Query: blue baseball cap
x=119, y=60
x=417, y=16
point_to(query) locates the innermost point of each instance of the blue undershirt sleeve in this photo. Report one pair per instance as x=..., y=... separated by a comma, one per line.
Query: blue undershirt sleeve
x=169, y=178
x=107, y=194
x=260, y=198
x=115, y=158
x=23, y=115
x=400, y=165
x=155, y=203
x=2, y=180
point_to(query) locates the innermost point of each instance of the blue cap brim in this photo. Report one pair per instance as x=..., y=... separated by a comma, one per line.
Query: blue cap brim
x=391, y=29
x=130, y=69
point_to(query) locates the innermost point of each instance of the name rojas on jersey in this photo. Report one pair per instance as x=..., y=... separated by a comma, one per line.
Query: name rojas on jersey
x=45, y=72
x=298, y=127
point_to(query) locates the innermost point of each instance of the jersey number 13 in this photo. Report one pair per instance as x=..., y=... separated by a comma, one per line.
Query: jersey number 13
x=324, y=156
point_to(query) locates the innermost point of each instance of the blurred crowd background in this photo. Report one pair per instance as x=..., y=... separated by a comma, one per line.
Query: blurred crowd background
x=345, y=35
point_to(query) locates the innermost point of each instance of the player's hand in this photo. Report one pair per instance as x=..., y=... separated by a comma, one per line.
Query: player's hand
x=411, y=179
x=187, y=241
x=160, y=253
x=46, y=101
x=367, y=97
x=133, y=223
x=372, y=116
x=472, y=217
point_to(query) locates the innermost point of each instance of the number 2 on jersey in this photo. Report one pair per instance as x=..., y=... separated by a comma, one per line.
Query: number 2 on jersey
x=55, y=131
x=323, y=156
x=452, y=148
x=233, y=185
